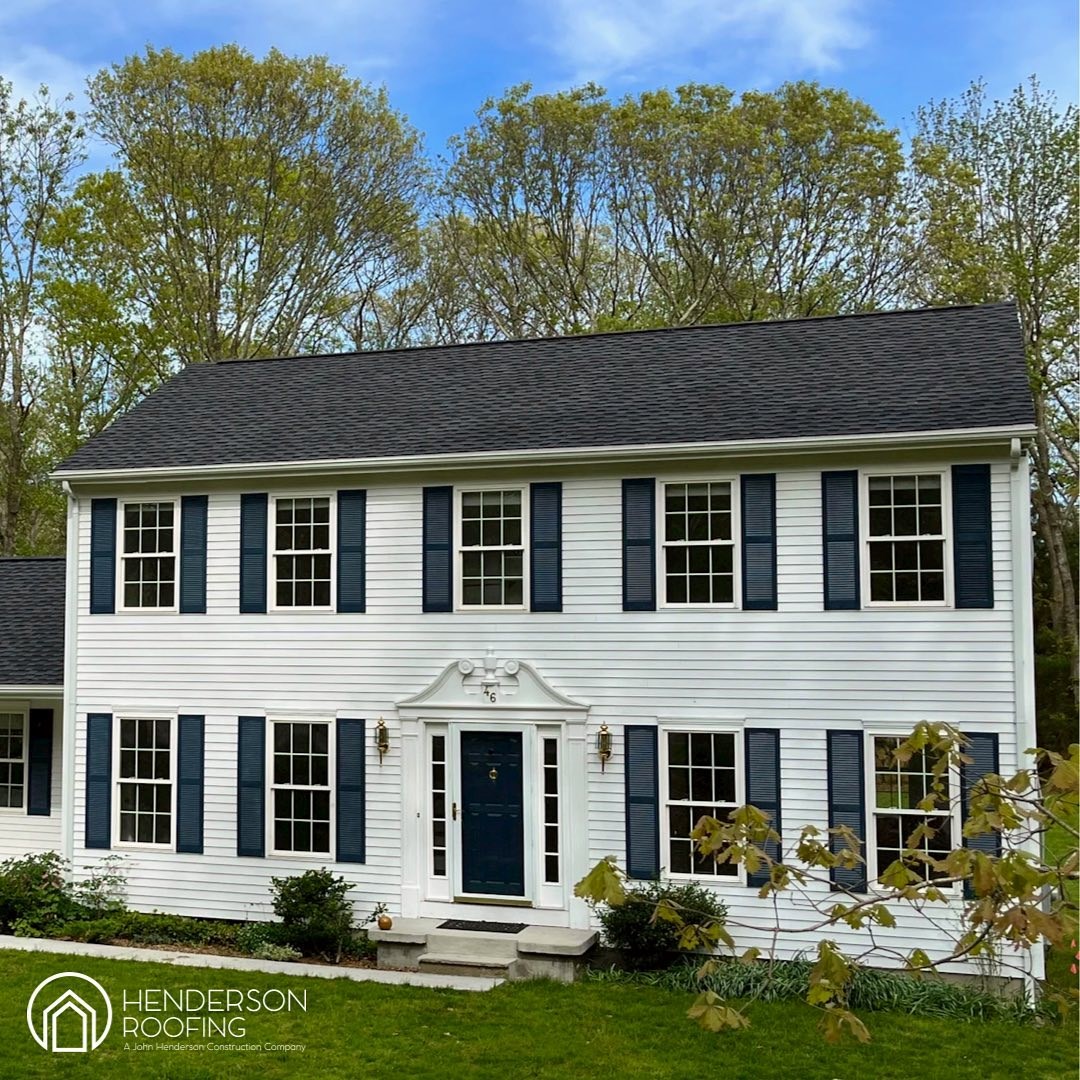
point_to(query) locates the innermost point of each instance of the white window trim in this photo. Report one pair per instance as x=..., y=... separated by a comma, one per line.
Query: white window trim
x=736, y=541
x=272, y=553
x=459, y=561
x=953, y=813
x=865, y=476
x=117, y=780
x=698, y=727
x=331, y=775
x=121, y=557
x=24, y=712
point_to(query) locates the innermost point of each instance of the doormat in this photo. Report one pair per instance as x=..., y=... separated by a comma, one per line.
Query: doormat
x=483, y=927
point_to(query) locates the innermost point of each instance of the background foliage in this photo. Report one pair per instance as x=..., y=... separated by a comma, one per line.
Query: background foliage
x=272, y=206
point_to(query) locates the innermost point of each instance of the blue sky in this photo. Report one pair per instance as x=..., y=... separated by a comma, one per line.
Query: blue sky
x=441, y=58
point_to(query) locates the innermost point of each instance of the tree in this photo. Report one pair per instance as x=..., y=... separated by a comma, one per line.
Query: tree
x=1019, y=899
x=41, y=145
x=998, y=208
x=250, y=196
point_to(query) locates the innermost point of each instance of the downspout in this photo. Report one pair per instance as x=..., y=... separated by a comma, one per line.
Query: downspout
x=1023, y=652
x=71, y=629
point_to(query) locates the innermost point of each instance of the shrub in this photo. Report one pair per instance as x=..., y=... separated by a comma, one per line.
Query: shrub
x=154, y=928
x=253, y=936
x=103, y=890
x=315, y=916
x=647, y=942
x=269, y=951
x=34, y=894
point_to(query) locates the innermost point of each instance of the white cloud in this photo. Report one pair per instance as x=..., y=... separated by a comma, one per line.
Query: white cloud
x=605, y=39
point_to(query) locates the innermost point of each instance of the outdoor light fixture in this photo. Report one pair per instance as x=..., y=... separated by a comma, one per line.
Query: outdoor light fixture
x=603, y=746
x=382, y=738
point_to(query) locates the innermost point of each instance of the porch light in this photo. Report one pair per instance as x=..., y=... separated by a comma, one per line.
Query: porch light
x=382, y=738
x=603, y=745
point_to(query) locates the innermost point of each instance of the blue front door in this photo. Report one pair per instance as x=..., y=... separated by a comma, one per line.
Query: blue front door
x=492, y=822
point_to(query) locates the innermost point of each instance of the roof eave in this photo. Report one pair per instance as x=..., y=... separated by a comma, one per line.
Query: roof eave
x=822, y=444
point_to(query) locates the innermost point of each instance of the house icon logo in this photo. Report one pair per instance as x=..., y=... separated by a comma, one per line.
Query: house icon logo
x=69, y=1013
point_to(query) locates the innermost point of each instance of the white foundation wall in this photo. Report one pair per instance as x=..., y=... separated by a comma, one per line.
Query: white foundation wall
x=799, y=669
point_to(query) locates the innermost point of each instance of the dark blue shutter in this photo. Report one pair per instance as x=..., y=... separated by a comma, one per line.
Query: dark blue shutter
x=545, y=557
x=102, y=556
x=973, y=556
x=193, y=554
x=438, y=549
x=98, y=779
x=251, y=787
x=642, y=802
x=982, y=748
x=758, y=493
x=190, y=757
x=351, y=552
x=840, y=539
x=762, y=751
x=847, y=802
x=639, y=545
x=39, y=763
x=351, y=768
x=253, y=509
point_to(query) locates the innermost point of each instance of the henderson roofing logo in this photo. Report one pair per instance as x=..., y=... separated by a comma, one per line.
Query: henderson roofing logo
x=69, y=1013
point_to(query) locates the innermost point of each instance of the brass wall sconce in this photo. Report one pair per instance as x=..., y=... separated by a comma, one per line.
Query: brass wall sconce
x=382, y=738
x=603, y=746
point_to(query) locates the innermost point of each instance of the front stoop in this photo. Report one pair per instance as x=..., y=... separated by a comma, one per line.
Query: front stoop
x=537, y=952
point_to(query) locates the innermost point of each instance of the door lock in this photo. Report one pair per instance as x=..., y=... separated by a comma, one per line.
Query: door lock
x=453, y=811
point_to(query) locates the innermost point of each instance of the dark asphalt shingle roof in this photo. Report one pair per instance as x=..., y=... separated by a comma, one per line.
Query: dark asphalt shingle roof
x=31, y=622
x=933, y=369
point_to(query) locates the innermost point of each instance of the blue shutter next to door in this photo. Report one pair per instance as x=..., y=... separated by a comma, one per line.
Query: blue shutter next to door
x=438, y=586
x=982, y=748
x=251, y=787
x=840, y=539
x=758, y=503
x=193, y=554
x=190, y=758
x=639, y=545
x=351, y=552
x=847, y=802
x=39, y=763
x=98, y=780
x=253, y=510
x=351, y=791
x=545, y=556
x=973, y=556
x=762, y=752
x=102, y=556
x=642, y=802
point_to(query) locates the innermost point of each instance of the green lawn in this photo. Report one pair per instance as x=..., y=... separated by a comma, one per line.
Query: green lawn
x=363, y=1030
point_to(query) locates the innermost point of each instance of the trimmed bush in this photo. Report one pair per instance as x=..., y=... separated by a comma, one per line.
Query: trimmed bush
x=153, y=928
x=316, y=917
x=649, y=943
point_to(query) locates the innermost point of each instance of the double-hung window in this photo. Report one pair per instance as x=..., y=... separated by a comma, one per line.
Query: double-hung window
x=148, y=555
x=701, y=778
x=12, y=759
x=144, y=780
x=897, y=791
x=698, y=542
x=300, y=787
x=491, y=550
x=303, y=555
x=906, y=522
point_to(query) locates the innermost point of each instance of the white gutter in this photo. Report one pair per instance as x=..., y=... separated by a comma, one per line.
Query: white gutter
x=71, y=627
x=37, y=690
x=510, y=458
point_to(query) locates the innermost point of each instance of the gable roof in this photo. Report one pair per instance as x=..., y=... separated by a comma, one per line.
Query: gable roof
x=31, y=622
x=934, y=369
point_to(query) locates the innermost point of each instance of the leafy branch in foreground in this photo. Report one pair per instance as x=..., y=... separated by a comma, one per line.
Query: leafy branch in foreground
x=1013, y=901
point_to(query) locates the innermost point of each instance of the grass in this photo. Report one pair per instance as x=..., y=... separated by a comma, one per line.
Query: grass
x=520, y=1031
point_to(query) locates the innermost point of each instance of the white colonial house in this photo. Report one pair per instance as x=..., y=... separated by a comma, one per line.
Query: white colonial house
x=459, y=622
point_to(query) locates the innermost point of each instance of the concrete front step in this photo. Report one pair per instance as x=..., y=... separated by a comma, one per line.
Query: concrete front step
x=455, y=964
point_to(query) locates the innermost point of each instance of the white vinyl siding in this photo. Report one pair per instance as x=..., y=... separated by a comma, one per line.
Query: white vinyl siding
x=800, y=668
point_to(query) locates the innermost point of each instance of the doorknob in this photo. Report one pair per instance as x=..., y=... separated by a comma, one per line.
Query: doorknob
x=493, y=775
